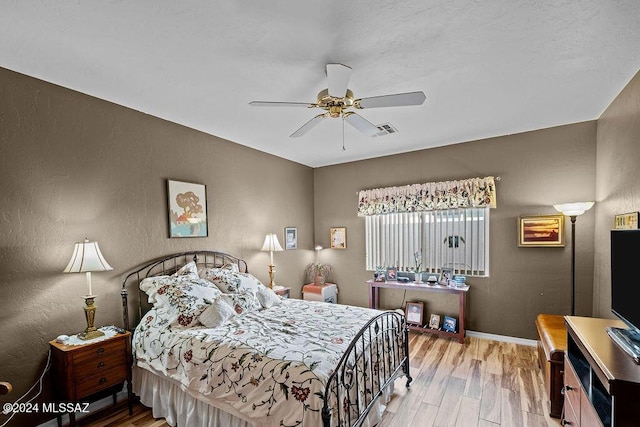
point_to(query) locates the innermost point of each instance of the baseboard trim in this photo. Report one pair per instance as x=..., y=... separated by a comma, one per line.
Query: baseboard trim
x=93, y=407
x=502, y=338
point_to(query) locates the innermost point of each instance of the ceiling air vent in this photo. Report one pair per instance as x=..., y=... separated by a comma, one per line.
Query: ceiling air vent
x=385, y=129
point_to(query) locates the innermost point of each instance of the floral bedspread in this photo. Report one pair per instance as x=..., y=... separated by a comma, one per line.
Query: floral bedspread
x=270, y=364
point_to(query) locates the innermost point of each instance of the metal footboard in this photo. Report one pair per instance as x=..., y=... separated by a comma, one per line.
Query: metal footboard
x=374, y=359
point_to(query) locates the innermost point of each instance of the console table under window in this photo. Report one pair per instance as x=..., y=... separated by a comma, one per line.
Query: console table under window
x=374, y=301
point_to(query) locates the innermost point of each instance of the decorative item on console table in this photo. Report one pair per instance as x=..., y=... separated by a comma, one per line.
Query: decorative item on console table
x=433, y=278
x=446, y=275
x=417, y=257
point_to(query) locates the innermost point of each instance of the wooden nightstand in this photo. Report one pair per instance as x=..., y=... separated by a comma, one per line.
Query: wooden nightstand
x=81, y=371
x=283, y=292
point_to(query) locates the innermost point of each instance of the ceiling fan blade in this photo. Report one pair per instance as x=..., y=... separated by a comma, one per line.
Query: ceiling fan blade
x=362, y=124
x=395, y=100
x=281, y=104
x=338, y=77
x=308, y=126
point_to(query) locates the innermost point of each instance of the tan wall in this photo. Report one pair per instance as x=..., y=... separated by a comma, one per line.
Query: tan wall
x=72, y=166
x=538, y=169
x=617, y=183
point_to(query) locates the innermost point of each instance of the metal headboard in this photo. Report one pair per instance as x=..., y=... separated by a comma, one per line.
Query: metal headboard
x=167, y=265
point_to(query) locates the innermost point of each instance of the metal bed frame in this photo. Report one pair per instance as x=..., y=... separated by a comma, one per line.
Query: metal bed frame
x=358, y=380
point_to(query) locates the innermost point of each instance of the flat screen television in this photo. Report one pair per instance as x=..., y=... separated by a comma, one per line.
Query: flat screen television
x=625, y=289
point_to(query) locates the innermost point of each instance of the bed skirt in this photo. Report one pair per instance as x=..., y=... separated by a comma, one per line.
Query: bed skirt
x=180, y=406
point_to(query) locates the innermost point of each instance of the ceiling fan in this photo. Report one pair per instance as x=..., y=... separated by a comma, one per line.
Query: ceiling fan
x=337, y=99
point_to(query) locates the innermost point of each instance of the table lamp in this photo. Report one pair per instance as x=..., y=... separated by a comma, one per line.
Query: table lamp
x=85, y=259
x=271, y=244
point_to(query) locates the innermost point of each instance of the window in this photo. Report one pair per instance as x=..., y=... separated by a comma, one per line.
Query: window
x=455, y=238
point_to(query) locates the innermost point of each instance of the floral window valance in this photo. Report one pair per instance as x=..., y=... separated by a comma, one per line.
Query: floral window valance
x=468, y=193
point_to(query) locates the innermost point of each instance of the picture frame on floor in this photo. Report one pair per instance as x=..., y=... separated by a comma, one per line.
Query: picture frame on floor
x=434, y=321
x=449, y=324
x=414, y=312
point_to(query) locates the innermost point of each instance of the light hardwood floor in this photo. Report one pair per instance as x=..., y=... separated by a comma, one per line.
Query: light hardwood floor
x=479, y=383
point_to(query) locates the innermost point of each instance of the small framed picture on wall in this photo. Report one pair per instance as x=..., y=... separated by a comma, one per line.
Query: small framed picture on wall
x=338, y=237
x=290, y=238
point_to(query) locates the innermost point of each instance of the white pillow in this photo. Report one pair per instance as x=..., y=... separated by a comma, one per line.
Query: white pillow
x=267, y=297
x=217, y=313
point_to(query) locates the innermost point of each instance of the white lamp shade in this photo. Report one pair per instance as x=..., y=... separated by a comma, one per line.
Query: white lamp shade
x=271, y=243
x=574, y=209
x=87, y=257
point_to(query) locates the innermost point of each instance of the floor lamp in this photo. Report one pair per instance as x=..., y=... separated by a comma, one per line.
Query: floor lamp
x=573, y=210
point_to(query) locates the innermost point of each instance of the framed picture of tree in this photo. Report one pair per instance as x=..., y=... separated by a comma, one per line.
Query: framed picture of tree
x=187, y=209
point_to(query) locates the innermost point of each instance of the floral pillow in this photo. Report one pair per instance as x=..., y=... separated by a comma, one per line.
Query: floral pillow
x=233, y=282
x=150, y=285
x=242, y=302
x=183, y=299
x=225, y=279
x=189, y=270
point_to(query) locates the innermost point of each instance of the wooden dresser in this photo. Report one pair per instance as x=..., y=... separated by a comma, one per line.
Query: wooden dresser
x=81, y=371
x=602, y=383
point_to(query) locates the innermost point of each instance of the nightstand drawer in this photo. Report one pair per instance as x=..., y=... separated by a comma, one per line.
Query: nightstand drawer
x=89, y=385
x=96, y=365
x=100, y=351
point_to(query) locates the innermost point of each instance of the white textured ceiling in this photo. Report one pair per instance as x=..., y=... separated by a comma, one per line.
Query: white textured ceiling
x=488, y=68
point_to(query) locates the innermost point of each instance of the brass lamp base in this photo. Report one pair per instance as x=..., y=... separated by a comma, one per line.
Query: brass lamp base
x=272, y=271
x=90, y=314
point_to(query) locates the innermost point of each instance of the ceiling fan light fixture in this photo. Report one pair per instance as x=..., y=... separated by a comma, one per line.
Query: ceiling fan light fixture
x=335, y=103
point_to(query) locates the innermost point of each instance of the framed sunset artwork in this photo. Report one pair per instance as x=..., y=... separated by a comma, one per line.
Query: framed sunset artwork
x=541, y=231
